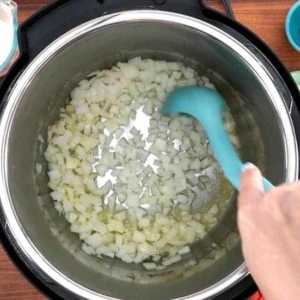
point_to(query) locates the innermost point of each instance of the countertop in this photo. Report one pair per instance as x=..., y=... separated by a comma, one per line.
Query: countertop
x=265, y=17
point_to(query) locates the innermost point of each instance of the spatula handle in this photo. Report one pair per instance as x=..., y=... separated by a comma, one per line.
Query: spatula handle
x=225, y=153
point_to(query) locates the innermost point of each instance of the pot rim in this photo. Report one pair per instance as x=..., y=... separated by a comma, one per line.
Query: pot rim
x=14, y=98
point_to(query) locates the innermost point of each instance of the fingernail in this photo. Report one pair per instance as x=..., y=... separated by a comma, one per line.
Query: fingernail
x=248, y=166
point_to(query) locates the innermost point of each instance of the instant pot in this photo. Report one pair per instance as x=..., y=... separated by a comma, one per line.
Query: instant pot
x=61, y=45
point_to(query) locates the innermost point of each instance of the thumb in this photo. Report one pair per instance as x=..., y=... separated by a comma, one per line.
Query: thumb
x=251, y=186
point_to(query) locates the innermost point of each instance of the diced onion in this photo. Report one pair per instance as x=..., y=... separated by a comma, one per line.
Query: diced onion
x=38, y=168
x=124, y=176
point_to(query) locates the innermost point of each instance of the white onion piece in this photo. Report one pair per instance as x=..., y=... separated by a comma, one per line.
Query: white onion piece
x=184, y=250
x=149, y=266
x=171, y=260
x=38, y=168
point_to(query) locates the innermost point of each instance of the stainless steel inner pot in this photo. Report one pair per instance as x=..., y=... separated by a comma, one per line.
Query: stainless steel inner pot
x=264, y=127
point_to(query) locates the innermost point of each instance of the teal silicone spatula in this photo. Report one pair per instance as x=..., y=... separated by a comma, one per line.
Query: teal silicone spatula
x=207, y=106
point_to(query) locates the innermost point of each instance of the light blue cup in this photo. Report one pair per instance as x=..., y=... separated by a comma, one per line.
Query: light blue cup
x=12, y=9
x=292, y=26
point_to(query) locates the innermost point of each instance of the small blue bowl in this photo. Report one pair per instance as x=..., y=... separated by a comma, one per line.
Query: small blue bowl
x=292, y=26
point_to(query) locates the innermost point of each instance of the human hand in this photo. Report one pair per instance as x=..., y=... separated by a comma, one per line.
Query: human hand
x=269, y=225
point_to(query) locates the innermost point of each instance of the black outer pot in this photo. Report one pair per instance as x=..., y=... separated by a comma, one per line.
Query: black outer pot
x=62, y=15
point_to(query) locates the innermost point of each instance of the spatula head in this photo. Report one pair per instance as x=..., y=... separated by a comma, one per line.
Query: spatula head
x=200, y=102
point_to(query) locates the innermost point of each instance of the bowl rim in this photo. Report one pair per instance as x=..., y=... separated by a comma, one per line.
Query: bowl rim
x=287, y=25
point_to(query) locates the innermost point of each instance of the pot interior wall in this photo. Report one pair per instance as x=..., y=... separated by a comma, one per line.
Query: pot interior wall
x=49, y=90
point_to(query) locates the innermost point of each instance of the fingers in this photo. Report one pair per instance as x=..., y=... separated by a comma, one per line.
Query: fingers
x=251, y=187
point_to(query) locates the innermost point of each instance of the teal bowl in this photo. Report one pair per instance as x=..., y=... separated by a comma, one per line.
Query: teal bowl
x=292, y=26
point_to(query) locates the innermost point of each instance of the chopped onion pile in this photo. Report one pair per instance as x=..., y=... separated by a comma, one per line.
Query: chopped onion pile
x=126, y=177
